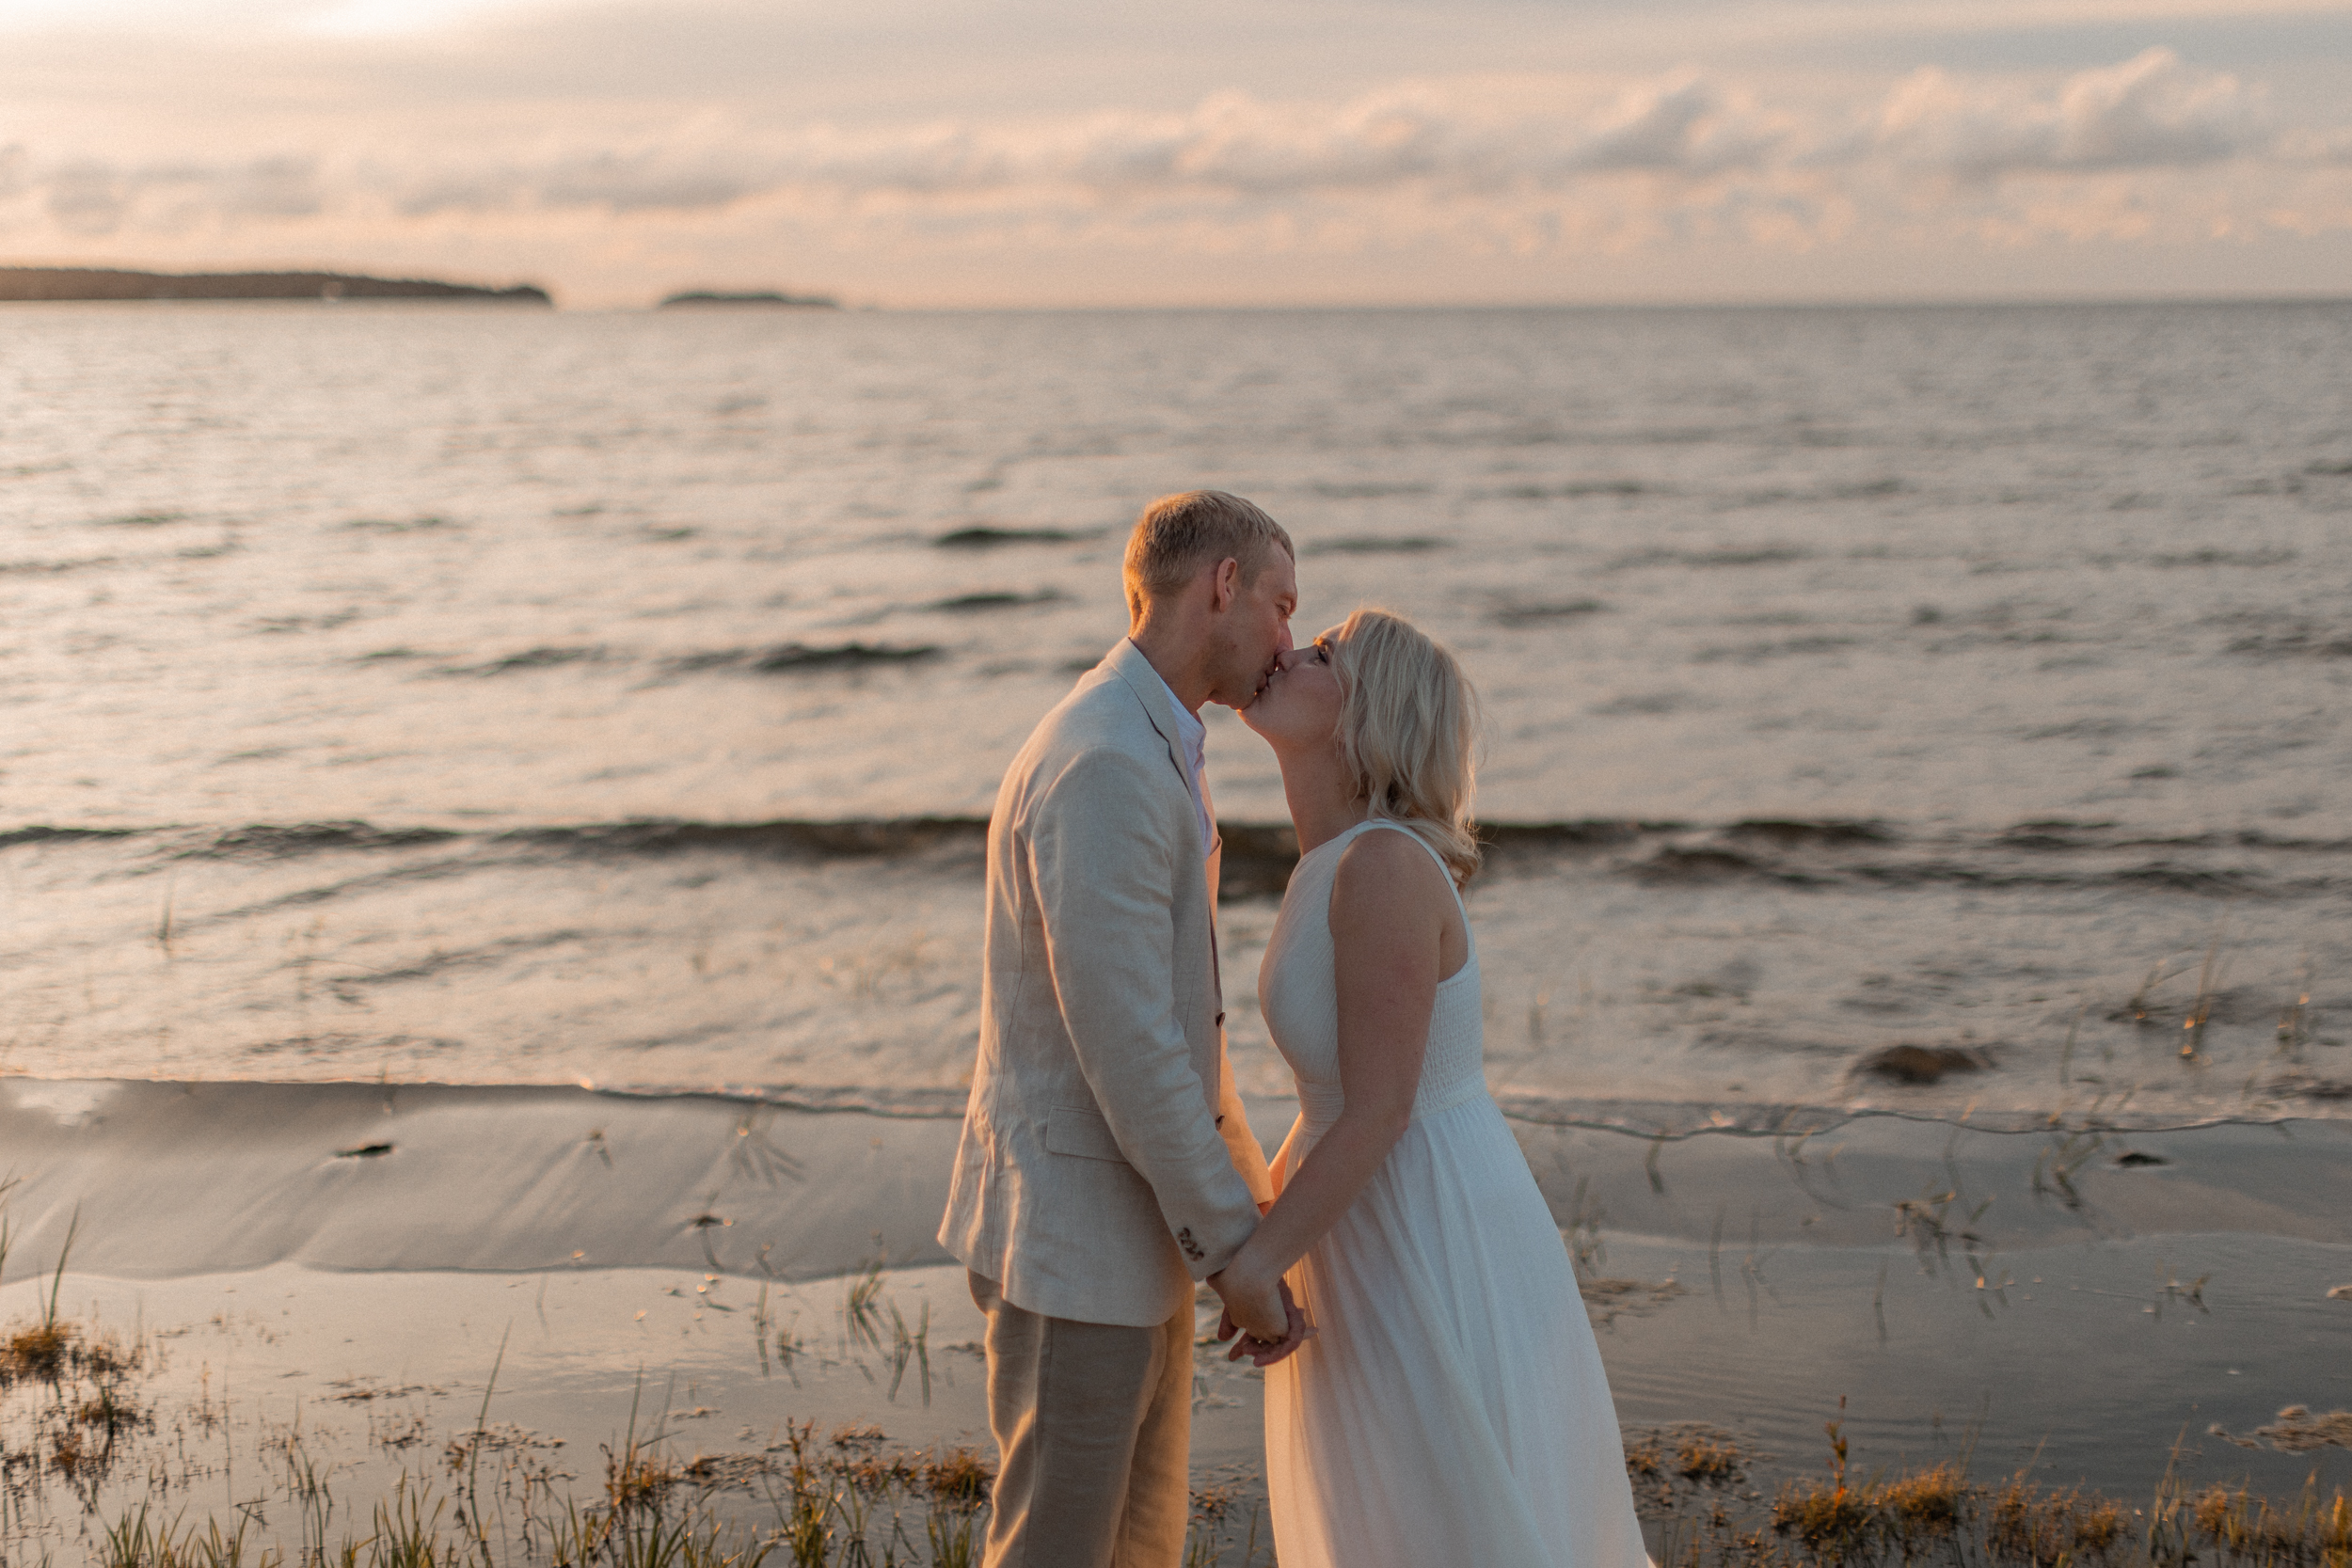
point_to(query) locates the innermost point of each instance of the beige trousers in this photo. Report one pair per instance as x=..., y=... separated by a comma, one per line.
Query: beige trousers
x=1093, y=1427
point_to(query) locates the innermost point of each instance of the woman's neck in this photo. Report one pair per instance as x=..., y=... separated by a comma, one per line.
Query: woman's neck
x=1315, y=785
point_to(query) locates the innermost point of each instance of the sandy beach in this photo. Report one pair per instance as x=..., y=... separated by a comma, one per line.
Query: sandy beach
x=352, y=1279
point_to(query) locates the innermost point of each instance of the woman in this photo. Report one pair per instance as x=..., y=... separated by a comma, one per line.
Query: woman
x=1452, y=1407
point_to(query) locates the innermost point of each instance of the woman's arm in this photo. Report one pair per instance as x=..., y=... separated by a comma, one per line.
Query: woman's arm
x=1391, y=906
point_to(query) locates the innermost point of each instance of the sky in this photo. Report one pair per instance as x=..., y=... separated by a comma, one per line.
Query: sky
x=920, y=153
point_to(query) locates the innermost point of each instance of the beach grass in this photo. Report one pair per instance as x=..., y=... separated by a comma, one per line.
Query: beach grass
x=92, y=1443
x=849, y=1498
x=1937, y=1513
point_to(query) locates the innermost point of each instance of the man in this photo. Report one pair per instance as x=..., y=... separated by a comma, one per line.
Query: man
x=1105, y=1163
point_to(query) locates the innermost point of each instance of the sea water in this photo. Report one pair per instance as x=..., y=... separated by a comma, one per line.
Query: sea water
x=497, y=696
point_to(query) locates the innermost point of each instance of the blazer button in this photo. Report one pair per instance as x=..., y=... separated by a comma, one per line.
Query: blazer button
x=1220, y=1020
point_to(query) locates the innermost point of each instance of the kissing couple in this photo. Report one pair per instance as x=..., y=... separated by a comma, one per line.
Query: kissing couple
x=1433, y=1391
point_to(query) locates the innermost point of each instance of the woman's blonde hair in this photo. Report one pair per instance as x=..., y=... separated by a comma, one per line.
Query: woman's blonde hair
x=1408, y=731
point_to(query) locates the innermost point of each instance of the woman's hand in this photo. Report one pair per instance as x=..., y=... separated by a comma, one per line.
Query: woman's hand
x=1262, y=1311
x=1252, y=1302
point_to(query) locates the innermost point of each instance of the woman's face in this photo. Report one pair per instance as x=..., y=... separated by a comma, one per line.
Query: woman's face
x=1300, y=703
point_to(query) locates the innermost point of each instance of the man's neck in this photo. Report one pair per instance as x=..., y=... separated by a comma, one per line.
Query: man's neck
x=1177, y=659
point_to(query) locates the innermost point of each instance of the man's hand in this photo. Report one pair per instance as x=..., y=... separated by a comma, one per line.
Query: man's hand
x=1247, y=1314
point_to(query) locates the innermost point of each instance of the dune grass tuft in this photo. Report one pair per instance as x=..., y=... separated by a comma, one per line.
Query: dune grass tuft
x=1938, y=1515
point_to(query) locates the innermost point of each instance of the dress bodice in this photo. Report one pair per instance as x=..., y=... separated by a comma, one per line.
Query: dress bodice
x=1298, y=995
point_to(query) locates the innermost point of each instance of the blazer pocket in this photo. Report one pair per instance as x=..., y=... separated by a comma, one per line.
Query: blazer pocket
x=1084, y=1133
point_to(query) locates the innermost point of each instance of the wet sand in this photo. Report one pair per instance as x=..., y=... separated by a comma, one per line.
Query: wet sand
x=344, y=1262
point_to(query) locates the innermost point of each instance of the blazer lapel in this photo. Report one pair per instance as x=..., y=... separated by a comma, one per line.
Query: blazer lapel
x=1157, y=703
x=1151, y=693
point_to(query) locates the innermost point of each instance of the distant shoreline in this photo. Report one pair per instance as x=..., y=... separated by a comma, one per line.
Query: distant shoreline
x=39, y=285
x=767, y=298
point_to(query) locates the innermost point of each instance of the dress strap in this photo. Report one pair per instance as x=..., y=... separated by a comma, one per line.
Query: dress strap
x=1459, y=907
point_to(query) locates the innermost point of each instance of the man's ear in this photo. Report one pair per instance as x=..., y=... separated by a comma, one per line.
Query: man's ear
x=1224, y=585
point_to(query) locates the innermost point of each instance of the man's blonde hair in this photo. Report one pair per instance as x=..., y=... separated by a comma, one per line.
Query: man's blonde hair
x=1408, y=732
x=1179, y=535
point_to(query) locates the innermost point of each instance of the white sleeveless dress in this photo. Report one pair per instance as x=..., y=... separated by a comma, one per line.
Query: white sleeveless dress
x=1454, y=1408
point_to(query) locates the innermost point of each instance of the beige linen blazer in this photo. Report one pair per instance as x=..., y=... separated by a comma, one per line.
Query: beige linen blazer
x=1105, y=1163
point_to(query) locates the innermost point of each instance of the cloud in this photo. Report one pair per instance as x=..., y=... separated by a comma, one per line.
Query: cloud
x=1681, y=124
x=1230, y=146
x=2149, y=150
x=2151, y=111
x=2317, y=147
x=89, y=198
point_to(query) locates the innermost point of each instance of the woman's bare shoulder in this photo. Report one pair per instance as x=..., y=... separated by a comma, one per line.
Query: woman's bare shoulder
x=1390, y=871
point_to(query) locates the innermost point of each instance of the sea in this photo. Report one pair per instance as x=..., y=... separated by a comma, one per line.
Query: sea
x=492, y=695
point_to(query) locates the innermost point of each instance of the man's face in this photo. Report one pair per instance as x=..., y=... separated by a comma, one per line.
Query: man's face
x=1257, y=631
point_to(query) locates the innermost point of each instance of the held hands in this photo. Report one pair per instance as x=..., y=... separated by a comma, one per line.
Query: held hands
x=1270, y=1323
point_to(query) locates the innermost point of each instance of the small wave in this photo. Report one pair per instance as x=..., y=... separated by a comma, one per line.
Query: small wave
x=51, y=568
x=1258, y=857
x=396, y=525
x=442, y=960
x=530, y=658
x=2055, y=833
x=2220, y=881
x=2301, y=643
x=1536, y=614
x=1647, y=704
x=1787, y=831
x=964, y=604
x=1760, y=555
x=988, y=537
x=2188, y=879
x=271, y=841
x=1873, y=489
x=1570, y=490
x=1674, y=863
x=279, y=624
x=2095, y=729
x=794, y=657
x=880, y=838
x=1375, y=544
x=1363, y=490
x=2211, y=557
x=1754, y=653
x=2328, y=470
x=1589, y=834
x=142, y=519
x=715, y=658
x=10, y=838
